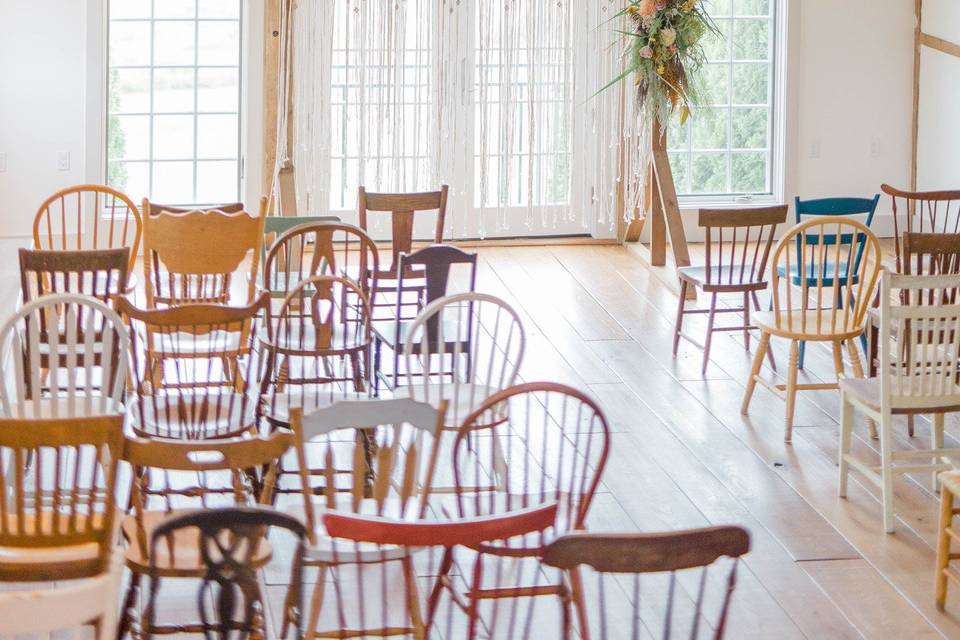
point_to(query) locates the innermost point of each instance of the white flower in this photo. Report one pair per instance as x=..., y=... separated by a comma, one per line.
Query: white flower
x=668, y=36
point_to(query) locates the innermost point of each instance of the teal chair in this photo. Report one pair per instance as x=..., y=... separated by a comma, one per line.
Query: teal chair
x=830, y=207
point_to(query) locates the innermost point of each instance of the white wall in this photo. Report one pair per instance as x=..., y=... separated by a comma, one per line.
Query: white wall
x=938, y=135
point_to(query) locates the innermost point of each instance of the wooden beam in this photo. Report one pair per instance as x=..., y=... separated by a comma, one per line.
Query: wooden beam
x=271, y=69
x=915, y=117
x=951, y=48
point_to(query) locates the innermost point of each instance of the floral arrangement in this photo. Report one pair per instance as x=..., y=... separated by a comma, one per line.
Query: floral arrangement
x=664, y=53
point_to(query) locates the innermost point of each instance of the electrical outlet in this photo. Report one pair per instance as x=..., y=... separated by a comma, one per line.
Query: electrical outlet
x=3, y=162
x=63, y=161
x=875, y=148
x=815, y=149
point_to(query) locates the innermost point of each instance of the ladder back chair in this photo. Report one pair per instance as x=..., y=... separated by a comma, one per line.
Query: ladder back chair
x=681, y=612
x=917, y=374
x=923, y=212
x=840, y=258
x=68, y=355
x=850, y=207
x=361, y=534
x=739, y=266
x=436, y=266
x=173, y=478
x=553, y=446
x=195, y=373
x=38, y=612
x=58, y=504
x=191, y=258
x=402, y=208
x=88, y=217
x=230, y=602
x=377, y=457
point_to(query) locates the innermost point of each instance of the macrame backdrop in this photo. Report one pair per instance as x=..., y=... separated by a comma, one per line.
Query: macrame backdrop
x=392, y=94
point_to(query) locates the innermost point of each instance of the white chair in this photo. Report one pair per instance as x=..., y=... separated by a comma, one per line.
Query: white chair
x=63, y=608
x=919, y=343
x=89, y=373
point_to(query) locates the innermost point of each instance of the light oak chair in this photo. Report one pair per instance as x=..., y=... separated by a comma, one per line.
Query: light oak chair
x=173, y=478
x=57, y=515
x=88, y=374
x=195, y=374
x=947, y=535
x=840, y=262
x=922, y=212
x=191, y=257
x=917, y=374
x=67, y=607
x=682, y=555
x=88, y=217
x=737, y=267
x=378, y=457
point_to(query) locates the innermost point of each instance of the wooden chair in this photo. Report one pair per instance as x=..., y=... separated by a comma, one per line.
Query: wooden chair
x=866, y=207
x=88, y=217
x=276, y=226
x=402, y=208
x=840, y=258
x=230, y=600
x=919, y=352
x=59, y=496
x=39, y=612
x=190, y=258
x=946, y=536
x=385, y=469
x=88, y=374
x=173, y=478
x=680, y=613
x=194, y=369
x=366, y=534
x=434, y=266
x=924, y=211
x=316, y=348
x=100, y=274
x=553, y=446
x=738, y=267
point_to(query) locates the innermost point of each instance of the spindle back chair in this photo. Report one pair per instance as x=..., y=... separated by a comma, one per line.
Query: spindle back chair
x=738, y=243
x=58, y=497
x=174, y=477
x=918, y=374
x=195, y=373
x=38, y=612
x=678, y=613
x=100, y=274
x=230, y=602
x=924, y=212
x=840, y=258
x=87, y=377
x=190, y=258
x=377, y=457
x=88, y=217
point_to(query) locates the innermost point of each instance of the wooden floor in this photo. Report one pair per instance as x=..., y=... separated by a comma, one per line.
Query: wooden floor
x=683, y=456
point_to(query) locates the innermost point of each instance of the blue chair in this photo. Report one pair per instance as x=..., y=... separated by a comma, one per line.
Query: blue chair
x=830, y=207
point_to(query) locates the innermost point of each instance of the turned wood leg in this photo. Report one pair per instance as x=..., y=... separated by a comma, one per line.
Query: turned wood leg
x=886, y=471
x=858, y=373
x=413, y=599
x=936, y=441
x=943, y=546
x=746, y=321
x=316, y=602
x=792, y=369
x=579, y=603
x=846, y=434
x=755, y=371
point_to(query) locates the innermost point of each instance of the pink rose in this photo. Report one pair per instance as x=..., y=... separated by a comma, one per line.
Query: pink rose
x=646, y=52
x=647, y=8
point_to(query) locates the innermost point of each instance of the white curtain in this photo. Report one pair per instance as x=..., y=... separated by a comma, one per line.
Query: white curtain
x=494, y=97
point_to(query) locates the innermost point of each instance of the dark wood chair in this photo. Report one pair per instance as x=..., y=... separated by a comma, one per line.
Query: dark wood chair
x=738, y=243
x=100, y=273
x=432, y=266
x=668, y=615
x=230, y=602
x=923, y=212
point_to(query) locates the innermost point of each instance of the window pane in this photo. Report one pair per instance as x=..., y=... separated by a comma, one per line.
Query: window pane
x=749, y=172
x=751, y=39
x=173, y=137
x=129, y=177
x=130, y=9
x=129, y=90
x=218, y=8
x=129, y=43
x=716, y=46
x=219, y=42
x=752, y=7
x=218, y=89
x=173, y=182
x=681, y=171
x=173, y=90
x=716, y=81
x=130, y=137
x=175, y=9
x=216, y=136
x=174, y=43
x=750, y=128
x=750, y=83
x=718, y=8
x=710, y=129
x=216, y=182
x=678, y=136
x=709, y=173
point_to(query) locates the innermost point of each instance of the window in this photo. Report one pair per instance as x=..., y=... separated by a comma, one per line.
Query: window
x=173, y=112
x=726, y=149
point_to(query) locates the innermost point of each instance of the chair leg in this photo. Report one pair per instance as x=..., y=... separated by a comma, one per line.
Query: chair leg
x=433, y=602
x=837, y=350
x=756, y=302
x=746, y=321
x=706, y=345
x=792, y=369
x=846, y=434
x=803, y=354
x=858, y=373
x=377, y=345
x=936, y=441
x=754, y=372
x=678, y=324
x=576, y=594
x=886, y=471
x=128, y=612
x=316, y=602
x=413, y=599
x=943, y=546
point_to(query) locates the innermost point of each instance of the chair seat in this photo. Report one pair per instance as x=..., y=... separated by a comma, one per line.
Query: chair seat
x=49, y=563
x=82, y=405
x=813, y=275
x=950, y=480
x=867, y=392
x=301, y=339
x=805, y=325
x=193, y=414
x=186, y=345
x=462, y=399
x=724, y=278
x=180, y=560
